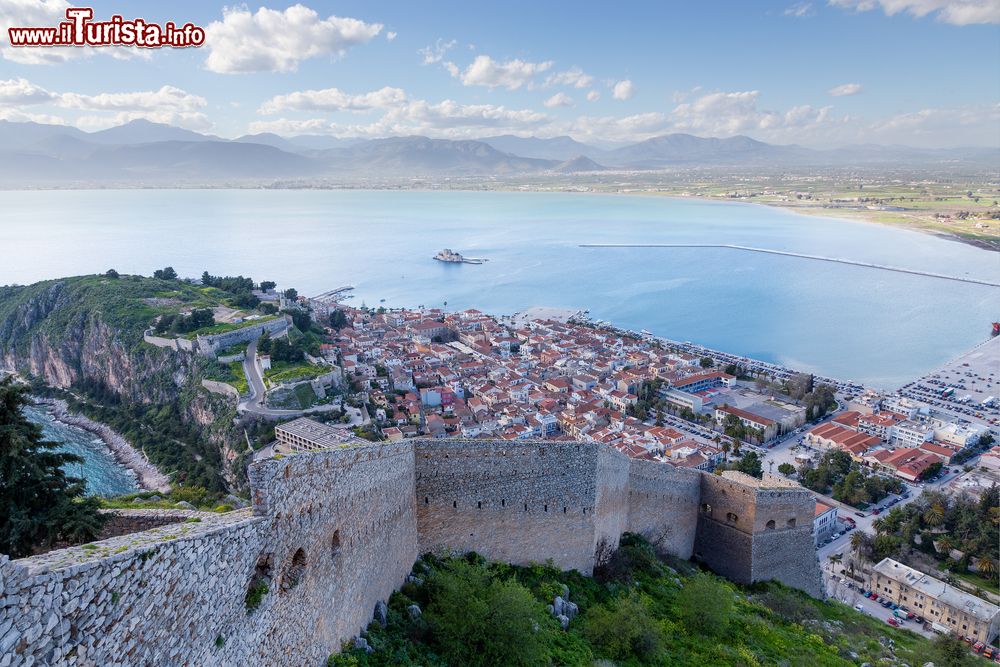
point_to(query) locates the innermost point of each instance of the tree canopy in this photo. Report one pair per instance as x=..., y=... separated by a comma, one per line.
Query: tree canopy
x=39, y=503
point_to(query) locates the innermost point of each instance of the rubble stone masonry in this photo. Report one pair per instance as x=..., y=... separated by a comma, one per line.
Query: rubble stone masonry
x=333, y=532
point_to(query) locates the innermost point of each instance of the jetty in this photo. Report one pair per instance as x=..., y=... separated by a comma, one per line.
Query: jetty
x=786, y=253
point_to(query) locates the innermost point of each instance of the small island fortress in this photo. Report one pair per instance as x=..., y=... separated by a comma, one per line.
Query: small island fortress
x=451, y=257
x=335, y=530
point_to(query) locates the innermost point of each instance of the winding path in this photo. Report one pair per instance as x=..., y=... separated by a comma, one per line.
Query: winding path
x=255, y=402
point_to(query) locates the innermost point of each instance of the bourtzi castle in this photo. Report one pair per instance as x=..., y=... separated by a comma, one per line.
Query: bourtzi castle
x=332, y=532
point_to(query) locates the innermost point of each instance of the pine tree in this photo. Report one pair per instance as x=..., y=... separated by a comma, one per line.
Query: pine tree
x=39, y=502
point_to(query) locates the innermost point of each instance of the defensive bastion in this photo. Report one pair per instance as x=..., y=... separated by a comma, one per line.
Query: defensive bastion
x=333, y=532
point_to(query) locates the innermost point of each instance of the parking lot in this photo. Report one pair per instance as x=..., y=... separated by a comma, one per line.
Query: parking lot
x=970, y=380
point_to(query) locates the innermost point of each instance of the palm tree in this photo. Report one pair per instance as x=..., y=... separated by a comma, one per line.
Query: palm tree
x=986, y=566
x=944, y=545
x=934, y=515
x=880, y=525
x=860, y=544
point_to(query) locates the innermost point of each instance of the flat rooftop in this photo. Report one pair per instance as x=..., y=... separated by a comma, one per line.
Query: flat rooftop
x=937, y=589
x=322, y=435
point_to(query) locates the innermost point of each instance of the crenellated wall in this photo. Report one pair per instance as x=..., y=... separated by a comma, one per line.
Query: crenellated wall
x=333, y=532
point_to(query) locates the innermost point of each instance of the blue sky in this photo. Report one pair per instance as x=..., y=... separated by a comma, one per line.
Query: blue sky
x=820, y=73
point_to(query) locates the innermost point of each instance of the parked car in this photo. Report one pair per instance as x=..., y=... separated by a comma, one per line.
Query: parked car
x=859, y=608
x=893, y=622
x=859, y=514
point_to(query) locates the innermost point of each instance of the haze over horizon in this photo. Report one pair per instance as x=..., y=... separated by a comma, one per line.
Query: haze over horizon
x=906, y=72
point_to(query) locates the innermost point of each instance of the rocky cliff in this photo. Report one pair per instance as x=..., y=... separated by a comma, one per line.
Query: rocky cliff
x=84, y=335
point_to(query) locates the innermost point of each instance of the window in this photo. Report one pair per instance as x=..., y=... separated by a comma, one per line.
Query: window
x=335, y=544
x=732, y=517
x=791, y=523
x=706, y=508
x=770, y=525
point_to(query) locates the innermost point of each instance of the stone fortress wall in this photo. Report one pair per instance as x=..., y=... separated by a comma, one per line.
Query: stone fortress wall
x=333, y=532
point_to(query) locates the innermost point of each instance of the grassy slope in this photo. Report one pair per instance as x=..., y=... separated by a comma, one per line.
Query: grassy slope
x=769, y=625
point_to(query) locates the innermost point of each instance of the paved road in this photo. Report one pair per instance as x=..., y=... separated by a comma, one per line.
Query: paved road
x=255, y=402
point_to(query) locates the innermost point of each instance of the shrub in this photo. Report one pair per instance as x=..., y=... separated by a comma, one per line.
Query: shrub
x=479, y=621
x=624, y=628
x=705, y=605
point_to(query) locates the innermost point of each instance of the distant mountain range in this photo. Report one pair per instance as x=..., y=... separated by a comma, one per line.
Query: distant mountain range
x=142, y=152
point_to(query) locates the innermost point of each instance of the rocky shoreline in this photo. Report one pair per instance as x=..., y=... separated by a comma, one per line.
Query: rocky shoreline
x=148, y=476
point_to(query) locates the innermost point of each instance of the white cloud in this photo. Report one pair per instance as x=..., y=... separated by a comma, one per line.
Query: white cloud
x=799, y=10
x=593, y=96
x=559, y=100
x=512, y=74
x=845, y=89
x=574, y=77
x=167, y=99
x=391, y=36
x=16, y=115
x=334, y=99
x=22, y=91
x=939, y=127
x=955, y=12
x=435, y=53
x=623, y=90
x=724, y=114
x=276, y=41
x=447, y=119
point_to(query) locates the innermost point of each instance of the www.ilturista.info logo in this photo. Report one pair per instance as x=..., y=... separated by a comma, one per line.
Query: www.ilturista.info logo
x=80, y=30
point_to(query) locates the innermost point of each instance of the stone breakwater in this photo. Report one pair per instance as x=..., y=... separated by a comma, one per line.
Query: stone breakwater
x=148, y=476
x=332, y=533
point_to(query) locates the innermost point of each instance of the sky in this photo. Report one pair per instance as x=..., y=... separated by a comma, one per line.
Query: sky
x=819, y=73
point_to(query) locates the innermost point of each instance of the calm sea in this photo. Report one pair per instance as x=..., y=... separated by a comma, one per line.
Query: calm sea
x=104, y=475
x=873, y=326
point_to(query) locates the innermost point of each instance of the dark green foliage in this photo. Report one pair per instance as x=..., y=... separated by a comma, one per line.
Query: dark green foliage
x=266, y=285
x=625, y=628
x=948, y=651
x=786, y=469
x=750, y=464
x=847, y=481
x=931, y=470
x=256, y=594
x=291, y=294
x=478, y=620
x=166, y=273
x=953, y=522
x=338, y=320
x=301, y=320
x=705, y=605
x=180, y=324
x=479, y=613
x=706, y=362
x=39, y=502
x=111, y=273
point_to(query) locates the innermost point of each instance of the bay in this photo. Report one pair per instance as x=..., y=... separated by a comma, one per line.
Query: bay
x=850, y=322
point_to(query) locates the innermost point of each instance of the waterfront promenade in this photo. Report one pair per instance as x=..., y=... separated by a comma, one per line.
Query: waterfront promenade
x=820, y=258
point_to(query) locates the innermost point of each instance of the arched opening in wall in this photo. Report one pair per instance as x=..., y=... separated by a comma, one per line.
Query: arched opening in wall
x=770, y=525
x=260, y=583
x=335, y=545
x=732, y=517
x=295, y=571
x=791, y=523
x=427, y=500
x=706, y=508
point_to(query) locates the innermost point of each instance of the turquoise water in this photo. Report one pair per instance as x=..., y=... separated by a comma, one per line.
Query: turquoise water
x=104, y=475
x=873, y=326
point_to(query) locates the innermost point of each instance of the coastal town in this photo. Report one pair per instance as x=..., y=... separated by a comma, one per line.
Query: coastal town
x=555, y=375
